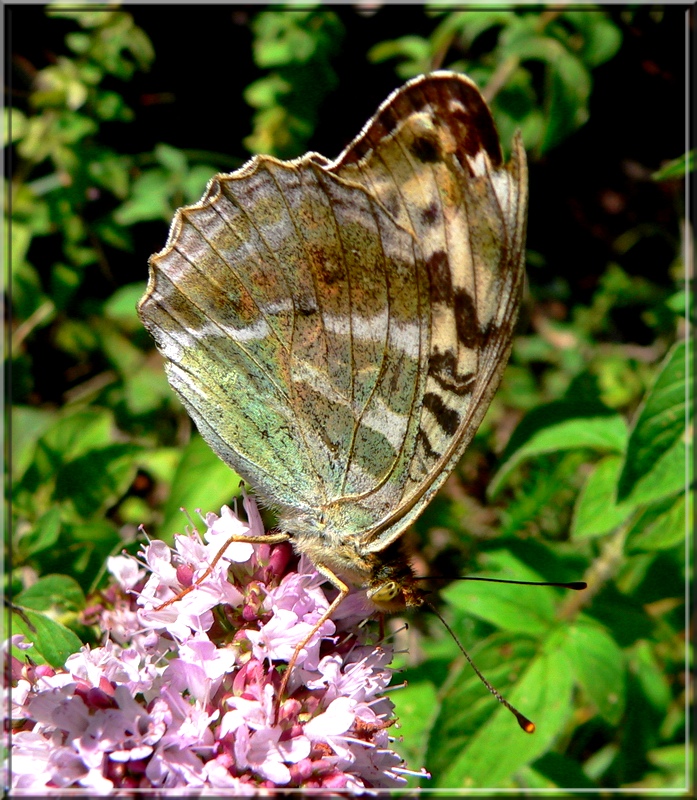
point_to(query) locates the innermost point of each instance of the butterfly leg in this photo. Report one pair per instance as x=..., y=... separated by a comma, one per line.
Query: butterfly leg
x=271, y=538
x=343, y=592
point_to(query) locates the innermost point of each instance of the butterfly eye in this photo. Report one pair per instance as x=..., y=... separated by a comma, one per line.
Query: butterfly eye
x=385, y=593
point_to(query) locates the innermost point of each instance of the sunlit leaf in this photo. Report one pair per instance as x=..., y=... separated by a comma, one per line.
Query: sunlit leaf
x=597, y=511
x=661, y=526
x=509, y=607
x=657, y=428
x=52, y=641
x=542, y=691
x=598, y=666
x=202, y=481
x=52, y=591
x=562, y=425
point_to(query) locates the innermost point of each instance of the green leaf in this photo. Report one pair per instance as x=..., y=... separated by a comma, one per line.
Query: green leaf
x=15, y=124
x=171, y=158
x=53, y=641
x=507, y=606
x=676, y=168
x=75, y=337
x=28, y=424
x=145, y=390
x=121, y=306
x=601, y=37
x=73, y=434
x=96, y=480
x=671, y=473
x=111, y=173
x=598, y=665
x=415, y=51
x=597, y=512
x=569, y=90
x=148, y=200
x=52, y=591
x=671, y=757
x=562, y=771
x=417, y=705
x=43, y=536
x=65, y=281
x=644, y=663
x=659, y=426
x=76, y=433
x=118, y=348
x=568, y=80
x=561, y=425
x=661, y=526
x=202, y=481
x=542, y=691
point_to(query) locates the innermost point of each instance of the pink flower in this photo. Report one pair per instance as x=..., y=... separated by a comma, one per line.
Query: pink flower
x=186, y=693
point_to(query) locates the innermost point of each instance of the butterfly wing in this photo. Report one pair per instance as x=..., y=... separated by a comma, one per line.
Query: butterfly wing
x=431, y=155
x=270, y=303
x=337, y=329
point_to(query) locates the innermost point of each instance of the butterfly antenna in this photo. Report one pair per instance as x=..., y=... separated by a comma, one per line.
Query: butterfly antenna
x=575, y=585
x=527, y=725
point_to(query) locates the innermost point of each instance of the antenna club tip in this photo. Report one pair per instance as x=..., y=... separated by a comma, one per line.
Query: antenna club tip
x=526, y=724
x=578, y=585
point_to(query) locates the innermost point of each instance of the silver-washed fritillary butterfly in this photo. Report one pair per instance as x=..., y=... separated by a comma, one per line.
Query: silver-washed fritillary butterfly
x=337, y=329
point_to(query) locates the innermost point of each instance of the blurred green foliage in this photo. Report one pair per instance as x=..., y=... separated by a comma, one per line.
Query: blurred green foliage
x=590, y=485
x=297, y=48
x=568, y=43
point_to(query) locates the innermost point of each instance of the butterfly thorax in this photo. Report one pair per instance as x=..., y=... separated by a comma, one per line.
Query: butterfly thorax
x=386, y=575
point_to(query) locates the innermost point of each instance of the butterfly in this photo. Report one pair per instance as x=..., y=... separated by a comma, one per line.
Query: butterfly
x=337, y=329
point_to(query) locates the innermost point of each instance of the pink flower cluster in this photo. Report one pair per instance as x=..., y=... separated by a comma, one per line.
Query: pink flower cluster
x=187, y=695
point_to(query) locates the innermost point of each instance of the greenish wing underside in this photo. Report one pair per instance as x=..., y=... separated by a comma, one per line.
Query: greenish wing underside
x=337, y=330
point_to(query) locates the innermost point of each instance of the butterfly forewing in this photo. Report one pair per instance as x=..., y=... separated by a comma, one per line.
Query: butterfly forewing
x=337, y=329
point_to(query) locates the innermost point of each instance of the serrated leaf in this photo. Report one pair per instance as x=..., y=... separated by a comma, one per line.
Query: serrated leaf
x=53, y=641
x=597, y=511
x=202, y=481
x=52, y=591
x=561, y=425
x=659, y=423
x=598, y=665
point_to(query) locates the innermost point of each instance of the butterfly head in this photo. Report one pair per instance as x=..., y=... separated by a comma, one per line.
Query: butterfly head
x=391, y=586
